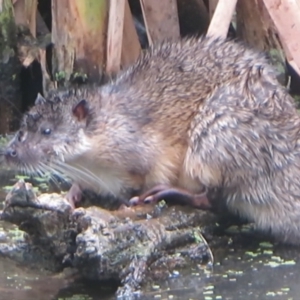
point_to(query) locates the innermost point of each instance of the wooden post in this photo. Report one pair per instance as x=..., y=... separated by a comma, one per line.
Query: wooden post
x=256, y=28
x=25, y=12
x=79, y=36
x=286, y=17
x=131, y=48
x=221, y=19
x=212, y=7
x=161, y=19
x=115, y=35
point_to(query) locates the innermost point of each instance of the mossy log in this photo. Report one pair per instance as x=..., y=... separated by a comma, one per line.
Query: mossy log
x=129, y=245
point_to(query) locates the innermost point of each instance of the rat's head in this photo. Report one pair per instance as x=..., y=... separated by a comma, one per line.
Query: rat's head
x=52, y=132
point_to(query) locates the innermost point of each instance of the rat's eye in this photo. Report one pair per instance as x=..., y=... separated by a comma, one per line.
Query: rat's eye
x=46, y=131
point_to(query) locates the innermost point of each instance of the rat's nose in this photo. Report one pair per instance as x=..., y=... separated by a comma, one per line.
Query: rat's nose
x=10, y=152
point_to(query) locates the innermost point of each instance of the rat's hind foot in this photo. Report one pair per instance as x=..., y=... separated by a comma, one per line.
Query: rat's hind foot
x=174, y=195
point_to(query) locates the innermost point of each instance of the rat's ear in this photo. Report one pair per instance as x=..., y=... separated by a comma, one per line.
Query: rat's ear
x=40, y=99
x=81, y=110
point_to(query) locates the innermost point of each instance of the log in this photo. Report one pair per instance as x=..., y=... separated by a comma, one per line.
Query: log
x=126, y=245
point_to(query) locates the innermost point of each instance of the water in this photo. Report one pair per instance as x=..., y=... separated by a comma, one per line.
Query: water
x=245, y=267
x=236, y=275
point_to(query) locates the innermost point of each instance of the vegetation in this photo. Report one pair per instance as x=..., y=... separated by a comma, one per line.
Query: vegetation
x=75, y=42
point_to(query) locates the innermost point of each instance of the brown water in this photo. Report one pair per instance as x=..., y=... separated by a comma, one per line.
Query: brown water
x=244, y=268
x=236, y=275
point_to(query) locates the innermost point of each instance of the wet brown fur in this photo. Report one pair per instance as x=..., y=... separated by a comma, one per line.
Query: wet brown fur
x=189, y=113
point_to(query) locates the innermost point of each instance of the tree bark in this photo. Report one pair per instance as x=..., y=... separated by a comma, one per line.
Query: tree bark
x=10, y=94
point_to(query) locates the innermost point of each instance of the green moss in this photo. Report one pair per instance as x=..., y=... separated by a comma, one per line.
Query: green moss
x=92, y=13
x=297, y=100
x=266, y=245
x=78, y=75
x=278, y=60
x=77, y=297
x=7, y=31
x=198, y=238
x=59, y=76
x=6, y=20
x=3, y=141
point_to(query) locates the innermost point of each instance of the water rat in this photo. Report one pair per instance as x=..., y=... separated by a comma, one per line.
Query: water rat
x=191, y=114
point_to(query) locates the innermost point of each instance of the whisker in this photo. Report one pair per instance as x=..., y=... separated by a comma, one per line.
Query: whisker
x=68, y=170
x=53, y=173
x=85, y=172
x=64, y=173
x=42, y=171
x=55, y=182
x=60, y=172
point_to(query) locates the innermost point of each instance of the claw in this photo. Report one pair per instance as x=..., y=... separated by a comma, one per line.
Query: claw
x=171, y=194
